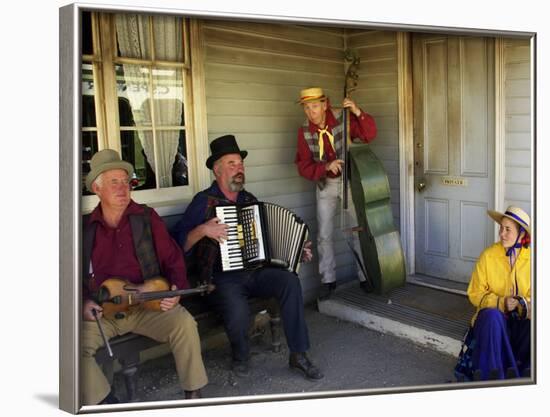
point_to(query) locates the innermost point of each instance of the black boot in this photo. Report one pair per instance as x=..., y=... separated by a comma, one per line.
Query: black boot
x=110, y=399
x=240, y=368
x=298, y=361
x=365, y=286
x=327, y=290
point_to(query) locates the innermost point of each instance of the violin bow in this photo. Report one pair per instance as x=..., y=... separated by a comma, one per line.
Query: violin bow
x=105, y=340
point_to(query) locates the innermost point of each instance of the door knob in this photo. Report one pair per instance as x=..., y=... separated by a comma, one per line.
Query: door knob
x=421, y=185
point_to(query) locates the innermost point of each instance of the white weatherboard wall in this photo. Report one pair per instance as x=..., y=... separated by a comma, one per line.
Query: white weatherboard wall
x=377, y=94
x=518, y=124
x=254, y=73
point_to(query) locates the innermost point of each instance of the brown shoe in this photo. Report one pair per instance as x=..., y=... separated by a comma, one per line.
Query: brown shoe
x=192, y=395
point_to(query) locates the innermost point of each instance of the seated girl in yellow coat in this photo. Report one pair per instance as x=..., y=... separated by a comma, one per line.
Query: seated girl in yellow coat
x=500, y=288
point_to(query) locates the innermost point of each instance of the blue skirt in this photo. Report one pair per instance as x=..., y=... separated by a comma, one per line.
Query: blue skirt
x=502, y=345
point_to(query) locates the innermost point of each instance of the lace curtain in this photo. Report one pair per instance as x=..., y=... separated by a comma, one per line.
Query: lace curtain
x=134, y=42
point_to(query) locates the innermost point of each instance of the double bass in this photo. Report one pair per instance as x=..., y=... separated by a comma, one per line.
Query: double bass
x=381, y=250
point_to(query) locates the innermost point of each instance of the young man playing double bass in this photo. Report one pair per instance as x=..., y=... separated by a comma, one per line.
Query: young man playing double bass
x=319, y=158
x=111, y=249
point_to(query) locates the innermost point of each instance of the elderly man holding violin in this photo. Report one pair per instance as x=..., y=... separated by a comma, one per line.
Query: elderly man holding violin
x=127, y=247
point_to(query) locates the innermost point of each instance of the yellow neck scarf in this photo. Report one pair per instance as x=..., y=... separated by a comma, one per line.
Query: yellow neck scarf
x=322, y=141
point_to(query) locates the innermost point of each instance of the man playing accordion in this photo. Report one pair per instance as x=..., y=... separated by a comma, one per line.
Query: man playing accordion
x=200, y=233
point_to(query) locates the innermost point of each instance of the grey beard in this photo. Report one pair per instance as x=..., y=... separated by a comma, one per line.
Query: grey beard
x=234, y=187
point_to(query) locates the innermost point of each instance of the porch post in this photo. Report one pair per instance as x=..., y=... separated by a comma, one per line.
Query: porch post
x=406, y=147
x=201, y=147
x=500, y=126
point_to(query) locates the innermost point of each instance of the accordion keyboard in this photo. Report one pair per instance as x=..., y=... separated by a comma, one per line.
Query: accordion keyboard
x=230, y=250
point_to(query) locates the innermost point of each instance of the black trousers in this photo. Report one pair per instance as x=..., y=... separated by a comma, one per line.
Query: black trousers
x=230, y=299
x=519, y=332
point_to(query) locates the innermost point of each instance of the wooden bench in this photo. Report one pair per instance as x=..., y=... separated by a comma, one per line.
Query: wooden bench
x=126, y=348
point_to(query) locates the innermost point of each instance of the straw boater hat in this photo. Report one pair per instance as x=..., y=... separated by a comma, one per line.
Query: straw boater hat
x=106, y=160
x=514, y=213
x=222, y=146
x=311, y=94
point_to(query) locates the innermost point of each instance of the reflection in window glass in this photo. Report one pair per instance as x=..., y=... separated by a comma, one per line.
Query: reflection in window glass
x=88, y=119
x=133, y=152
x=168, y=97
x=89, y=148
x=133, y=87
x=88, y=94
x=87, y=40
x=143, y=92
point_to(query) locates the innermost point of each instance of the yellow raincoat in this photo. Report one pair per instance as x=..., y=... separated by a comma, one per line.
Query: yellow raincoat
x=493, y=279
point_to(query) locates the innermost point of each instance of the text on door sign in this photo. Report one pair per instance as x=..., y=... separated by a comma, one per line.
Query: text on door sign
x=461, y=182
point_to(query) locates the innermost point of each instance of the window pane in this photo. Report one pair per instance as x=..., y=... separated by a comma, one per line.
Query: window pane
x=88, y=99
x=168, y=35
x=180, y=170
x=133, y=90
x=172, y=158
x=89, y=148
x=168, y=96
x=133, y=36
x=133, y=152
x=87, y=38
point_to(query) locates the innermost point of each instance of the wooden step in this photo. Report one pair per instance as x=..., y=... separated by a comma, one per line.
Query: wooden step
x=425, y=315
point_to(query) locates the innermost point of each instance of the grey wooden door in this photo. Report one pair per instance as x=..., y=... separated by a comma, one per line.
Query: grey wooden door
x=453, y=79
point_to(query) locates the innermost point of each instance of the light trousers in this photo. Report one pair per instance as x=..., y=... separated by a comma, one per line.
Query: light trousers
x=328, y=201
x=177, y=327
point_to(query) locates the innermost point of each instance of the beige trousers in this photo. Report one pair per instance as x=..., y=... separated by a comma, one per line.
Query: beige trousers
x=177, y=327
x=328, y=202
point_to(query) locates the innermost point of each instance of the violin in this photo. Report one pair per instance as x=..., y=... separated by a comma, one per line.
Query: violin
x=117, y=296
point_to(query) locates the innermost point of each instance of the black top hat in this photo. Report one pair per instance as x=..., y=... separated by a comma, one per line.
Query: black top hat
x=222, y=146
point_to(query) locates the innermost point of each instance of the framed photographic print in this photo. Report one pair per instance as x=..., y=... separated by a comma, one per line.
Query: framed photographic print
x=438, y=204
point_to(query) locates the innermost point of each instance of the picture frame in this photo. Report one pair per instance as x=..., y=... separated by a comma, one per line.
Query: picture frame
x=70, y=179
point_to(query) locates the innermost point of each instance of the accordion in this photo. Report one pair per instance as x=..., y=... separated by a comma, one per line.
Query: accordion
x=261, y=234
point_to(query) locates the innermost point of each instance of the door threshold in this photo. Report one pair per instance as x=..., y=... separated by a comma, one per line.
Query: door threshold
x=446, y=285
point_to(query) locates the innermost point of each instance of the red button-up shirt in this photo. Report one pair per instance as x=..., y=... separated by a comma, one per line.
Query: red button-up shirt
x=362, y=127
x=113, y=253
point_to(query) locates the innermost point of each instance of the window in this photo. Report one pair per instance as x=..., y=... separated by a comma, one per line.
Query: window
x=136, y=90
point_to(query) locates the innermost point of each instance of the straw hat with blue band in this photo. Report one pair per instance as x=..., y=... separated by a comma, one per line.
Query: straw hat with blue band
x=513, y=213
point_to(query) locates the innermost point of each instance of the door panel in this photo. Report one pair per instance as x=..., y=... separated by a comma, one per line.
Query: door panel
x=436, y=140
x=437, y=227
x=454, y=151
x=473, y=216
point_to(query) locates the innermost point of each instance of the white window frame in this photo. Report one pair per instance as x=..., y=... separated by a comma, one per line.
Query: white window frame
x=104, y=63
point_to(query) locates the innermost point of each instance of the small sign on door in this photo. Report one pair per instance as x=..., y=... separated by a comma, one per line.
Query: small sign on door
x=457, y=181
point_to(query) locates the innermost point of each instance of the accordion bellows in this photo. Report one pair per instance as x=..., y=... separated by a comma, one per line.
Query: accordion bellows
x=261, y=234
